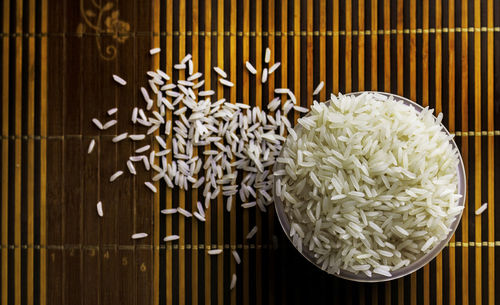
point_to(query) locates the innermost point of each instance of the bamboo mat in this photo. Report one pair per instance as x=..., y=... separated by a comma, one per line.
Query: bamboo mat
x=57, y=59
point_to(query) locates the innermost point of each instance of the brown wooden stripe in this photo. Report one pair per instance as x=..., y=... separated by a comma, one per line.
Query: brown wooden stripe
x=413, y=96
x=310, y=60
x=348, y=45
x=284, y=72
x=464, y=149
x=477, y=150
x=297, y=54
x=373, y=46
x=5, y=154
x=361, y=51
x=246, y=57
x=438, y=97
x=270, y=84
x=208, y=213
x=17, y=179
x=491, y=155
x=399, y=43
x=155, y=64
x=168, y=192
x=43, y=155
x=387, y=46
x=182, y=193
x=258, y=103
x=233, y=95
x=451, y=126
x=322, y=48
x=194, y=192
x=335, y=47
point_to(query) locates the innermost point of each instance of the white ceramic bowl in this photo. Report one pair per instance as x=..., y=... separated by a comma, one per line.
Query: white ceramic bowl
x=415, y=265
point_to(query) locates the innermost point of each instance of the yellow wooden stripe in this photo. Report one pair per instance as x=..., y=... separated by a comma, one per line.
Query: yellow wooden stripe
x=31, y=152
x=491, y=157
x=5, y=154
x=401, y=291
x=270, y=83
x=348, y=45
x=335, y=47
x=43, y=156
x=246, y=56
x=425, y=102
x=322, y=48
x=361, y=84
x=387, y=88
x=387, y=46
x=168, y=195
x=439, y=259
x=18, y=131
x=182, y=193
x=194, y=192
x=233, y=98
x=220, y=198
x=439, y=62
x=477, y=148
x=208, y=213
x=374, y=25
x=413, y=95
x=465, y=149
x=361, y=48
x=399, y=44
x=155, y=64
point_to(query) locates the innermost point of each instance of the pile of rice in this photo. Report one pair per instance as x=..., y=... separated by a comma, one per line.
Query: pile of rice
x=368, y=184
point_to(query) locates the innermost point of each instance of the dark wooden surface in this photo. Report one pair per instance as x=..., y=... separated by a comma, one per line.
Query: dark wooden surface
x=57, y=60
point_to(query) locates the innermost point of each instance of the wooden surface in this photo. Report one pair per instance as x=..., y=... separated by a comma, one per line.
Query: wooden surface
x=57, y=58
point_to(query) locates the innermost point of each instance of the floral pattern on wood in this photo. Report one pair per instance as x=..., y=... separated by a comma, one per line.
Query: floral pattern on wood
x=103, y=19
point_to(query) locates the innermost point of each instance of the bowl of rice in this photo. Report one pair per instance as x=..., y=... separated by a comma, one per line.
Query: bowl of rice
x=370, y=186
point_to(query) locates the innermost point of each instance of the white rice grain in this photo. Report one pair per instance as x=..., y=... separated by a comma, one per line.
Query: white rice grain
x=131, y=167
x=150, y=186
x=482, y=208
x=120, y=137
x=252, y=232
x=97, y=123
x=170, y=238
x=115, y=176
x=137, y=137
x=142, y=149
x=319, y=88
x=168, y=211
x=264, y=76
x=183, y=212
x=236, y=256
x=214, y=252
x=139, y=235
x=225, y=82
x=91, y=146
x=250, y=68
x=274, y=67
x=233, y=281
x=154, y=51
x=112, y=111
x=99, y=209
x=267, y=57
x=119, y=80
x=221, y=72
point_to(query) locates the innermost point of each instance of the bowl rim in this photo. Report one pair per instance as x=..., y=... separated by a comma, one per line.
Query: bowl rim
x=413, y=266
